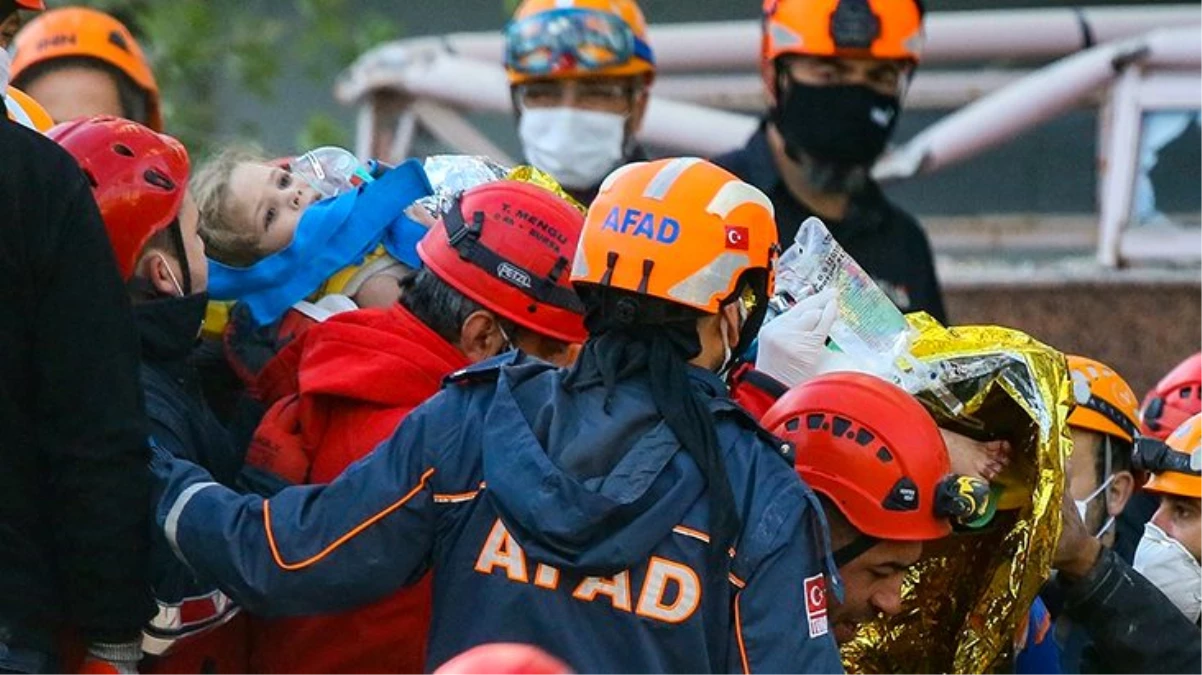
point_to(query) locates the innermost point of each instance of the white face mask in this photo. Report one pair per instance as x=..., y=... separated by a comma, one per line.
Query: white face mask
x=1083, y=505
x=577, y=147
x=1171, y=567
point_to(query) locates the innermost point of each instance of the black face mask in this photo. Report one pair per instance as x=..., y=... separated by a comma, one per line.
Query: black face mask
x=842, y=125
x=173, y=319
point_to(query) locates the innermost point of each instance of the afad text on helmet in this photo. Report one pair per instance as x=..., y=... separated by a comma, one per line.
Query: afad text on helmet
x=645, y=224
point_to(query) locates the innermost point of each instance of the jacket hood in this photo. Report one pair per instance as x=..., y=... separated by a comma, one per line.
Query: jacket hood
x=581, y=488
x=386, y=357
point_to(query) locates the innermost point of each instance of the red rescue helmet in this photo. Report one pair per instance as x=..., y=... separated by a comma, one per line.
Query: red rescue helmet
x=138, y=177
x=872, y=450
x=509, y=245
x=1176, y=398
x=503, y=658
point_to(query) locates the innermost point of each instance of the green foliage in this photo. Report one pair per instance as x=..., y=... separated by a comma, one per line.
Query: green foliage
x=196, y=44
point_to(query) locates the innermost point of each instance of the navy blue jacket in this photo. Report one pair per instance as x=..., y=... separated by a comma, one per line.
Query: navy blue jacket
x=182, y=425
x=887, y=242
x=545, y=521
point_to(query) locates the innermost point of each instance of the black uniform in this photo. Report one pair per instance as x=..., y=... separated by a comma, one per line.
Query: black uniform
x=1133, y=627
x=887, y=242
x=74, y=487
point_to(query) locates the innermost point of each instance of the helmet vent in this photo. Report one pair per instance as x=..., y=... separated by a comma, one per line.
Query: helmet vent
x=864, y=437
x=840, y=425
x=815, y=421
x=118, y=40
x=792, y=424
x=157, y=179
x=123, y=150
x=884, y=455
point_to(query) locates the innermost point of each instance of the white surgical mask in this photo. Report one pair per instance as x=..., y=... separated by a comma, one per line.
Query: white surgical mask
x=1171, y=568
x=577, y=147
x=1083, y=504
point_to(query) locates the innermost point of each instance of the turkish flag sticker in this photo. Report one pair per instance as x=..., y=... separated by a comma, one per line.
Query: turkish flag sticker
x=815, y=589
x=737, y=237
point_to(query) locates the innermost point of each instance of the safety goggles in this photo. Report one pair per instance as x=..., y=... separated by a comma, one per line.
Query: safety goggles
x=564, y=39
x=1155, y=456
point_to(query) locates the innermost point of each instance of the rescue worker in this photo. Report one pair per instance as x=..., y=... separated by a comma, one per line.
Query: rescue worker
x=579, y=74
x=1168, y=555
x=494, y=276
x=79, y=62
x=881, y=470
x=139, y=179
x=615, y=514
x=11, y=18
x=73, y=485
x=1174, y=399
x=835, y=72
x=1098, y=477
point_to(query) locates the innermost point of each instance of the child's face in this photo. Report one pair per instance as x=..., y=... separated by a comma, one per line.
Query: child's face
x=268, y=201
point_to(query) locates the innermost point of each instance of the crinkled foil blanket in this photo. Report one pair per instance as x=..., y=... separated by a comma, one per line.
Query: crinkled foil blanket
x=965, y=602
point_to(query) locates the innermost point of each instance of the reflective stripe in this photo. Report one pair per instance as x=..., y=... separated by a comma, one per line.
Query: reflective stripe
x=700, y=287
x=666, y=178
x=615, y=174
x=171, y=526
x=734, y=194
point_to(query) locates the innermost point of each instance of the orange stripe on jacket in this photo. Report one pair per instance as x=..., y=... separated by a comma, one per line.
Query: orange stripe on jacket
x=279, y=560
x=739, y=636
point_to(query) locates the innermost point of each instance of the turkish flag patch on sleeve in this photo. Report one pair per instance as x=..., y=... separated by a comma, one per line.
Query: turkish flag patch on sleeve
x=815, y=589
x=737, y=237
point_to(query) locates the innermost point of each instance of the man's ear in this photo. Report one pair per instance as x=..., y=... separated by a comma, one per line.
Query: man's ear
x=1119, y=492
x=153, y=267
x=733, y=325
x=480, y=336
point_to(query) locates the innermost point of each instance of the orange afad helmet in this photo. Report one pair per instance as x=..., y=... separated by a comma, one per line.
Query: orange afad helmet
x=1104, y=401
x=681, y=230
x=879, y=29
x=88, y=33
x=1177, y=470
x=562, y=39
x=23, y=110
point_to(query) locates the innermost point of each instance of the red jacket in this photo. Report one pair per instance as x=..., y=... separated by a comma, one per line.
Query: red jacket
x=754, y=390
x=339, y=390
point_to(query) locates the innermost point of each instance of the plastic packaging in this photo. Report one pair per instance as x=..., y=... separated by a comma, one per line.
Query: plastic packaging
x=452, y=174
x=331, y=170
x=869, y=328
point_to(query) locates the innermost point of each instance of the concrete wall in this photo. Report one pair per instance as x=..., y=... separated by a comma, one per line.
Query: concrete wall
x=1141, y=329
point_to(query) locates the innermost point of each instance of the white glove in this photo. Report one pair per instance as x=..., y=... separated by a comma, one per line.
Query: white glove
x=792, y=346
